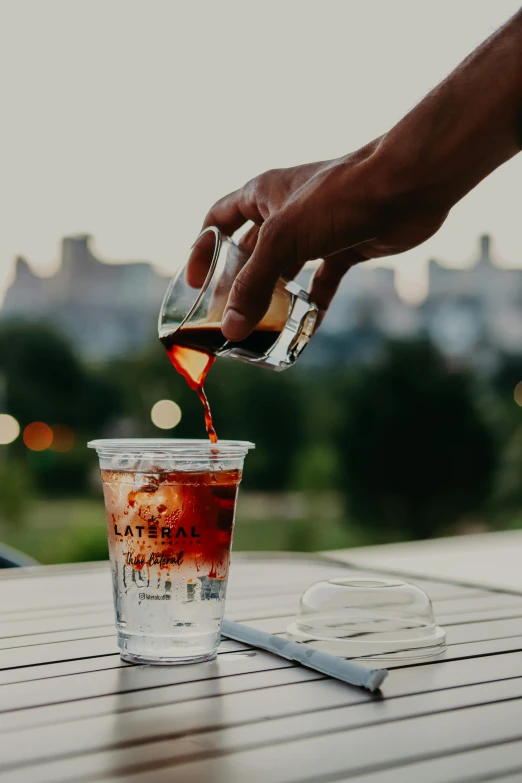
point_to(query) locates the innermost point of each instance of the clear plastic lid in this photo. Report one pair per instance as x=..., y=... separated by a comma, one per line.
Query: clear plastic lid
x=368, y=618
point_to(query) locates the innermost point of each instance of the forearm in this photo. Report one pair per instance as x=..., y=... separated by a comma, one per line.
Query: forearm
x=464, y=129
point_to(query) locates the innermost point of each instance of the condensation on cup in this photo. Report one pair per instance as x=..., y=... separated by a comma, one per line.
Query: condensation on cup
x=170, y=507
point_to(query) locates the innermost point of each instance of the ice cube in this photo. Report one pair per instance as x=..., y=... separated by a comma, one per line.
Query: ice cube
x=146, y=482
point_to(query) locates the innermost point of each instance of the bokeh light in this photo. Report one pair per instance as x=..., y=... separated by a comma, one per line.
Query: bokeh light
x=518, y=393
x=9, y=429
x=165, y=414
x=63, y=438
x=38, y=436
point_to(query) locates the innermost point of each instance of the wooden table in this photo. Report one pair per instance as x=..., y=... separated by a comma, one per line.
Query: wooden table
x=71, y=710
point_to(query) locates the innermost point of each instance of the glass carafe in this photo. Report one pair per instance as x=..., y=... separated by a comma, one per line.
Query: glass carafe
x=191, y=316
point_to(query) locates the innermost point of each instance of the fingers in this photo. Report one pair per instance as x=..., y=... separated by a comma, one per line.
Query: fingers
x=253, y=288
x=327, y=277
x=200, y=259
x=228, y=214
x=232, y=211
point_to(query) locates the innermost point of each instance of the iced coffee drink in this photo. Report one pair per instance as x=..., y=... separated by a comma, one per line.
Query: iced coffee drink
x=170, y=507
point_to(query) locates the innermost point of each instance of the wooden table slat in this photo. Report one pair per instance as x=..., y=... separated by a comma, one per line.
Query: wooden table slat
x=500, y=760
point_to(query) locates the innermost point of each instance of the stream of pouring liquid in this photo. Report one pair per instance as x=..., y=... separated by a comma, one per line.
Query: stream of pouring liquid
x=192, y=351
x=194, y=366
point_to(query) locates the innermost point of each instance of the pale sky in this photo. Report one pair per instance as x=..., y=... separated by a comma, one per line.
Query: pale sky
x=126, y=119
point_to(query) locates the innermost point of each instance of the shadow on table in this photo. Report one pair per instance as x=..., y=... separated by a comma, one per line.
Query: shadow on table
x=186, y=701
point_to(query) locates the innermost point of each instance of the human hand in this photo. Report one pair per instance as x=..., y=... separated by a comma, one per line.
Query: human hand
x=341, y=211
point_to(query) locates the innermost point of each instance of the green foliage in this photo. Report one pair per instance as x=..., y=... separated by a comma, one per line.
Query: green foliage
x=417, y=452
x=16, y=492
x=61, y=531
x=508, y=375
x=413, y=446
x=47, y=382
x=89, y=544
x=265, y=407
x=507, y=497
x=61, y=474
x=316, y=468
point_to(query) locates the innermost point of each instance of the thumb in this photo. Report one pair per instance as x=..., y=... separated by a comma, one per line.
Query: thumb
x=253, y=288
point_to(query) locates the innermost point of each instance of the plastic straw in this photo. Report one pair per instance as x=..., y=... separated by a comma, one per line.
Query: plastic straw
x=339, y=668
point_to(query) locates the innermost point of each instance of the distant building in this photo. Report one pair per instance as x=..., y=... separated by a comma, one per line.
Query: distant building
x=106, y=309
x=473, y=315
x=365, y=311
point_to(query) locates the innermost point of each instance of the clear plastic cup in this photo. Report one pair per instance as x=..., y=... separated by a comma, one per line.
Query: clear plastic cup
x=170, y=507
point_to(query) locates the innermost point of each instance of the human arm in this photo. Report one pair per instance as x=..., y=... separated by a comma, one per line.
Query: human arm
x=387, y=197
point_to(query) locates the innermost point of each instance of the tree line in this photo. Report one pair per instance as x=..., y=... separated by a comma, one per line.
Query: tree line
x=413, y=444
